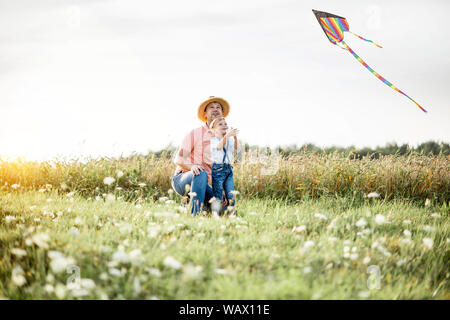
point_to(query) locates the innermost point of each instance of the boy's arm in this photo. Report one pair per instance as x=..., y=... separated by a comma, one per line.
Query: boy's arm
x=236, y=144
x=222, y=142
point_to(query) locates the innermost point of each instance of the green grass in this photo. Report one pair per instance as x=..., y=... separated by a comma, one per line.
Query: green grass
x=255, y=255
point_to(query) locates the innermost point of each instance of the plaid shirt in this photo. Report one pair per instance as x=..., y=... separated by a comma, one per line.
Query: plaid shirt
x=195, y=149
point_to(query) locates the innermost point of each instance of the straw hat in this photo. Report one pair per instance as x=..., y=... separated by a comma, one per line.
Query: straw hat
x=202, y=108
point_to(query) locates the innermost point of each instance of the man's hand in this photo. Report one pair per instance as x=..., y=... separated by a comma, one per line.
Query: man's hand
x=196, y=169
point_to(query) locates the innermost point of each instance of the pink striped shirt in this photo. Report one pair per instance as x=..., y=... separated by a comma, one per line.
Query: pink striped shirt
x=195, y=149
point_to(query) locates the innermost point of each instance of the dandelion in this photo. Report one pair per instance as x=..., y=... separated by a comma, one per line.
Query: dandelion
x=88, y=284
x=40, y=240
x=121, y=256
x=380, y=219
x=234, y=192
x=42, y=190
x=191, y=272
x=74, y=232
x=109, y=181
x=427, y=202
x=354, y=256
x=60, y=291
x=221, y=271
x=115, y=272
x=135, y=256
x=15, y=186
x=17, y=276
x=307, y=270
x=320, y=216
x=170, y=201
x=373, y=195
x=119, y=173
x=98, y=198
x=299, y=229
x=406, y=221
x=252, y=213
x=309, y=244
x=9, y=219
x=435, y=215
x=364, y=294
x=428, y=242
x=332, y=239
x=171, y=262
x=142, y=185
x=428, y=229
x=361, y=223
x=18, y=252
x=163, y=199
x=407, y=233
x=366, y=260
x=110, y=197
x=405, y=242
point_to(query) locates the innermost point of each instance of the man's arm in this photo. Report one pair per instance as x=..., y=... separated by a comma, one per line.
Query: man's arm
x=183, y=155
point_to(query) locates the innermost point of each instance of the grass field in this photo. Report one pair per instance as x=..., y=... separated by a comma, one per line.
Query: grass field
x=60, y=245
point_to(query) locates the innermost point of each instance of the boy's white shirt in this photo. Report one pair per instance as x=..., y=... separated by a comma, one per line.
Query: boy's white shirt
x=217, y=155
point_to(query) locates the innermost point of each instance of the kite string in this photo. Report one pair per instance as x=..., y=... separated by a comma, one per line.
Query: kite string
x=365, y=39
x=379, y=76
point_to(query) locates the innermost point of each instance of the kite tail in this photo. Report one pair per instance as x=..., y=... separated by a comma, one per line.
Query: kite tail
x=378, y=76
x=365, y=39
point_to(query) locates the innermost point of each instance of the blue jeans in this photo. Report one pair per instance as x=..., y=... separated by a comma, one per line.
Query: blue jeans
x=199, y=185
x=222, y=179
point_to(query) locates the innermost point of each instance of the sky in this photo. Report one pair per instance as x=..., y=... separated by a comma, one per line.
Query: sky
x=110, y=78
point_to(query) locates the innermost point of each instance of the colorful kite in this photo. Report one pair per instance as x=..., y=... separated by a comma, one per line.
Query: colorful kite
x=334, y=27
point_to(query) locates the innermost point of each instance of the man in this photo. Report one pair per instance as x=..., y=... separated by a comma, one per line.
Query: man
x=193, y=157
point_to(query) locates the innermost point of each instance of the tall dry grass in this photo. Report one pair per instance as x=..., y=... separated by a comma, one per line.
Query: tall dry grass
x=306, y=175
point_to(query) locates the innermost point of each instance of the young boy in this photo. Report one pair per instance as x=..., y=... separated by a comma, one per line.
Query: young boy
x=222, y=149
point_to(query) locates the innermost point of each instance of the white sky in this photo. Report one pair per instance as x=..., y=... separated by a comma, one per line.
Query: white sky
x=112, y=77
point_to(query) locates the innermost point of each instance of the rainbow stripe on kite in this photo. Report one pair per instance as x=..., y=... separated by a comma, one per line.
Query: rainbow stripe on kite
x=334, y=28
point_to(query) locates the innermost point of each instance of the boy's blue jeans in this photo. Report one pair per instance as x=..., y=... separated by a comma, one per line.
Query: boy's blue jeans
x=222, y=179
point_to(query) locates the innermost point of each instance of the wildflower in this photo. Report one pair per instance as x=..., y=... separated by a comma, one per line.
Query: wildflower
x=87, y=283
x=42, y=190
x=163, y=199
x=428, y=229
x=170, y=191
x=380, y=219
x=170, y=201
x=407, y=233
x=40, y=239
x=366, y=260
x=320, y=216
x=307, y=269
x=115, y=272
x=142, y=184
x=299, y=229
x=119, y=173
x=110, y=197
x=333, y=223
x=428, y=242
x=406, y=241
x=18, y=252
x=171, y=262
x=74, y=232
x=427, y=202
x=15, y=186
x=78, y=221
x=121, y=256
x=109, y=180
x=234, y=192
x=9, y=219
x=364, y=294
x=60, y=291
x=332, y=239
x=221, y=271
x=406, y=221
x=354, y=256
x=135, y=256
x=435, y=215
x=98, y=198
x=309, y=244
x=17, y=276
x=361, y=223
x=252, y=213
x=192, y=272
x=373, y=195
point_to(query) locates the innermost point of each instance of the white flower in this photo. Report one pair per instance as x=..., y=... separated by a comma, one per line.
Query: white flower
x=307, y=269
x=354, y=256
x=171, y=262
x=137, y=286
x=155, y=272
x=428, y=242
x=109, y=180
x=407, y=233
x=366, y=260
x=192, y=272
x=15, y=186
x=74, y=232
x=346, y=249
x=40, y=239
x=221, y=271
x=17, y=276
x=309, y=244
x=9, y=219
x=406, y=241
x=121, y=256
x=115, y=272
x=299, y=229
x=364, y=294
x=135, y=256
x=163, y=199
x=380, y=219
x=142, y=184
x=428, y=228
x=119, y=173
x=361, y=223
x=252, y=213
x=332, y=239
x=320, y=216
x=373, y=195
x=435, y=215
x=427, y=202
x=87, y=283
x=61, y=263
x=18, y=252
x=60, y=291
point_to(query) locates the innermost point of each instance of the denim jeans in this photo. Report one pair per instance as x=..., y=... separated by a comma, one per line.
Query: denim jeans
x=222, y=179
x=199, y=185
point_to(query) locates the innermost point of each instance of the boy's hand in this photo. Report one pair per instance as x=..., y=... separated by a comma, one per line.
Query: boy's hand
x=233, y=132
